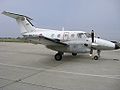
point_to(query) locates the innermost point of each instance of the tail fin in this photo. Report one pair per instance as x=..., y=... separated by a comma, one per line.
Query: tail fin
x=23, y=21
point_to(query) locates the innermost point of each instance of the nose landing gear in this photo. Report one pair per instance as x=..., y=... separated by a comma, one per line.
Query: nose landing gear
x=96, y=57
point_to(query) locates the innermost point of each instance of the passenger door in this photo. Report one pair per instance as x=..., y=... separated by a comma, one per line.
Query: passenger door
x=66, y=36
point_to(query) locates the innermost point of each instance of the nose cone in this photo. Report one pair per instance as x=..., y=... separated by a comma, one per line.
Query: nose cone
x=117, y=46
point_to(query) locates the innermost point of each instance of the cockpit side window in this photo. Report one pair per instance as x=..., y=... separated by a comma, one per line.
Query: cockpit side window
x=72, y=35
x=87, y=35
x=58, y=35
x=79, y=35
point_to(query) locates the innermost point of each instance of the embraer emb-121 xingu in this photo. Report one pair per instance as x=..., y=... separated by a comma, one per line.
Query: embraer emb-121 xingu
x=62, y=41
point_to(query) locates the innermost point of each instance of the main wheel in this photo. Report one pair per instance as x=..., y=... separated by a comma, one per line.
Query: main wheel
x=96, y=57
x=58, y=57
x=74, y=54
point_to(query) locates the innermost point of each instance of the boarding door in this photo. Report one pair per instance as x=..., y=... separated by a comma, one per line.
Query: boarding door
x=66, y=36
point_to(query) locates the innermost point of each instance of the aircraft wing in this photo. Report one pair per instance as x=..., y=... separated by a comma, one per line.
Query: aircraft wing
x=47, y=41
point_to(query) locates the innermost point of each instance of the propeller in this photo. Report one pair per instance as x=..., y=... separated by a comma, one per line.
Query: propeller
x=92, y=38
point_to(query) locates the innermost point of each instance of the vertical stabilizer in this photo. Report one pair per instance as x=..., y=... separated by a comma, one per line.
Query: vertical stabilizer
x=23, y=21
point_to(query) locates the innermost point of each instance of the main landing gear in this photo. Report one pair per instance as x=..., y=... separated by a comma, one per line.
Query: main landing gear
x=74, y=54
x=58, y=56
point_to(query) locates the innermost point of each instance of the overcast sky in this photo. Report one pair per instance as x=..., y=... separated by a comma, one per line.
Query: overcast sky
x=103, y=16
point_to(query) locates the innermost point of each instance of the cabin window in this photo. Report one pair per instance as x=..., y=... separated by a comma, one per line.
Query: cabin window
x=40, y=34
x=72, y=35
x=52, y=35
x=65, y=35
x=79, y=35
x=30, y=35
x=58, y=35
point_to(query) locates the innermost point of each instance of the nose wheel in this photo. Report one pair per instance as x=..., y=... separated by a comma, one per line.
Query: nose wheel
x=96, y=57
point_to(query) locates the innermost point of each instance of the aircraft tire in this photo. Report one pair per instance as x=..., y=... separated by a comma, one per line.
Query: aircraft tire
x=96, y=57
x=74, y=54
x=58, y=57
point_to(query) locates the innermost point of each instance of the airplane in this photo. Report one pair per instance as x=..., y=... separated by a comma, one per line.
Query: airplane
x=73, y=42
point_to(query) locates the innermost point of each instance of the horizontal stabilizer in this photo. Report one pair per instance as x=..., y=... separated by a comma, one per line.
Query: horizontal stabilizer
x=15, y=16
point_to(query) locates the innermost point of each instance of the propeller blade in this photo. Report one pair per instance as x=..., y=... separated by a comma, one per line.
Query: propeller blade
x=92, y=36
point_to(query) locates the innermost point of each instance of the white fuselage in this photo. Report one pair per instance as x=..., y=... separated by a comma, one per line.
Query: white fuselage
x=75, y=40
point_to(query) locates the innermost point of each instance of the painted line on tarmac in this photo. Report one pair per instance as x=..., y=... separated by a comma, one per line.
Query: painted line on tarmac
x=65, y=72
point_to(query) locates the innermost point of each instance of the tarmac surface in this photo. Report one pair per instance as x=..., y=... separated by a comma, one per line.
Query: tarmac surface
x=25, y=66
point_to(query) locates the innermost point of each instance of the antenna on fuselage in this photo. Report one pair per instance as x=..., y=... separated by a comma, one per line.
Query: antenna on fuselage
x=63, y=28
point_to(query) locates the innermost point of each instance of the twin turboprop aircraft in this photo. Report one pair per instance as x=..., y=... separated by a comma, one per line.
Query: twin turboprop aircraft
x=62, y=41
